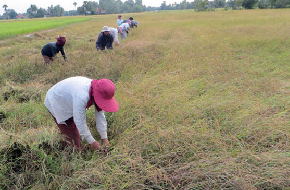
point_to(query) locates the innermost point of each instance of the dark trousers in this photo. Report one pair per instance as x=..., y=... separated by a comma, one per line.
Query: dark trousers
x=108, y=46
x=70, y=134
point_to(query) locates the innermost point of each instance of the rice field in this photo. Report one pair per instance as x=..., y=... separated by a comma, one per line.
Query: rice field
x=12, y=28
x=204, y=103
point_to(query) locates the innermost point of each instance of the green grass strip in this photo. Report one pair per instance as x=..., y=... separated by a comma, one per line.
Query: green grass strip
x=11, y=28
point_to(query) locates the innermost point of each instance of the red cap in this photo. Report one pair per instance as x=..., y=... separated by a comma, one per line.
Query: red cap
x=104, y=91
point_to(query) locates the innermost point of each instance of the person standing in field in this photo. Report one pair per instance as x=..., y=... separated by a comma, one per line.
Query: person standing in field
x=50, y=50
x=125, y=30
x=120, y=20
x=105, y=39
x=68, y=100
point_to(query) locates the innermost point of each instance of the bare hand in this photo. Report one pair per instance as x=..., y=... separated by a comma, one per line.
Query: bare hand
x=95, y=145
x=106, y=144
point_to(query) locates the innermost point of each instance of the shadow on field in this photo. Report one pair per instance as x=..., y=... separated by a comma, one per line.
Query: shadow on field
x=2, y=116
x=21, y=95
x=25, y=165
x=20, y=160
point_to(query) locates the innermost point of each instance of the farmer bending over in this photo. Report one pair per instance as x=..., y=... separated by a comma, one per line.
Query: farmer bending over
x=68, y=100
x=128, y=20
x=134, y=24
x=125, y=30
x=114, y=32
x=105, y=39
x=50, y=50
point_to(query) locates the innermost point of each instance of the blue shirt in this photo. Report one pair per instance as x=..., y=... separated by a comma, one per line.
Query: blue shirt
x=119, y=21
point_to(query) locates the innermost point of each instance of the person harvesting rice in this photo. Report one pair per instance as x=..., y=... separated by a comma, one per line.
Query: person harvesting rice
x=105, y=39
x=114, y=32
x=68, y=100
x=125, y=30
x=50, y=50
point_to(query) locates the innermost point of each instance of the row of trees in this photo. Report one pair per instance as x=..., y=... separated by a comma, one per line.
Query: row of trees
x=110, y=7
x=202, y=5
x=88, y=7
x=52, y=11
x=199, y=5
x=34, y=12
x=129, y=6
x=9, y=13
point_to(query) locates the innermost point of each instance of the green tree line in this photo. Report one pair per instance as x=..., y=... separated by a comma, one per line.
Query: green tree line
x=110, y=7
x=203, y=5
x=34, y=12
x=130, y=6
x=88, y=7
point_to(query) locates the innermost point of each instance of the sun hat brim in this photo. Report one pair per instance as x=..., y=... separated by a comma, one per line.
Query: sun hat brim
x=108, y=105
x=103, y=93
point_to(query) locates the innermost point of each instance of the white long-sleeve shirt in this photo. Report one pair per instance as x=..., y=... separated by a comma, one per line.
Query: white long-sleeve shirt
x=125, y=26
x=69, y=98
x=114, y=31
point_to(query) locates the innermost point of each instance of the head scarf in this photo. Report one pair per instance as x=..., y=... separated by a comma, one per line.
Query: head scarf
x=60, y=41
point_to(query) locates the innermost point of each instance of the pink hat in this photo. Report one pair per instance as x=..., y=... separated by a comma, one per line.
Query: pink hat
x=104, y=91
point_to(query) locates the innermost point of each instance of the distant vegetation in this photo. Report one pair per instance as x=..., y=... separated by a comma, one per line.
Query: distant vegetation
x=204, y=104
x=206, y=5
x=87, y=8
x=130, y=6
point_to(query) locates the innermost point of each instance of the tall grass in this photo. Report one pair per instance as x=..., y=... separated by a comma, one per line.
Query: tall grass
x=204, y=104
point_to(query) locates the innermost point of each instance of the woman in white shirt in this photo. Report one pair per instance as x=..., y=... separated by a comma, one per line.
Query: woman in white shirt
x=115, y=32
x=68, y=100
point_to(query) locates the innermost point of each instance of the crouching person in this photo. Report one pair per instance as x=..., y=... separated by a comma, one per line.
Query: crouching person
x=50, y=50
x=68, y=100
x=134, y=24
x=105, y=39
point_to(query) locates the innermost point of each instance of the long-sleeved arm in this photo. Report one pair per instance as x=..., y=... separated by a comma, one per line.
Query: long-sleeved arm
x=116, y=37
x=99, y=41
x=101, y=123
x=62, y=52
x=110, y=42
x=79, y=115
